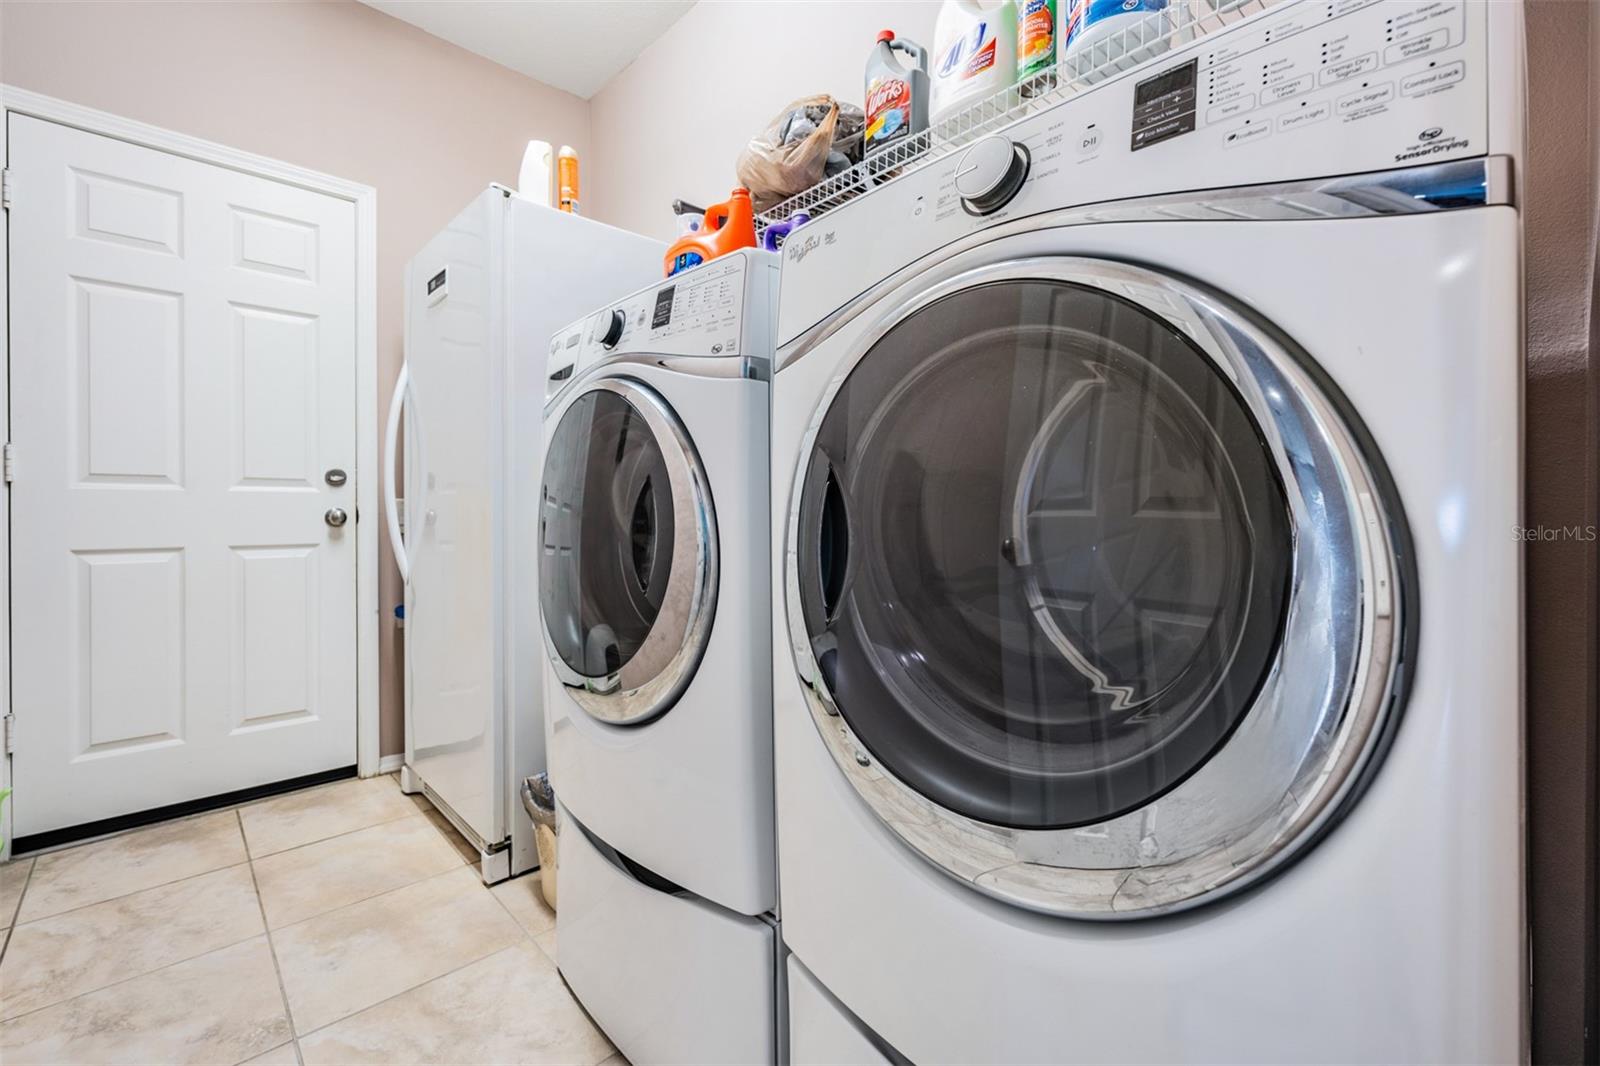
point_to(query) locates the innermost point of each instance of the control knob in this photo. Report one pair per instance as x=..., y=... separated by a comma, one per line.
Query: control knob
x=613, y=330
x=991, y=173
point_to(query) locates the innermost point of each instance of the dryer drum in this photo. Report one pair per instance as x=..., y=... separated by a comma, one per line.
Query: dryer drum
x=1065, y=558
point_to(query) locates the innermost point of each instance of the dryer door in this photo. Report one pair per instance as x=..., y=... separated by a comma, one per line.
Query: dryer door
x=628, y=570
x=1092, y=586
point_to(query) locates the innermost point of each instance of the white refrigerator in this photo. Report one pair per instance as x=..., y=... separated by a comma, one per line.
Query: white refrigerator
x=482, y=301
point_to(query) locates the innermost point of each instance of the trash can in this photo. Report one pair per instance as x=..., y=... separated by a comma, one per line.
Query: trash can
x=539, y=800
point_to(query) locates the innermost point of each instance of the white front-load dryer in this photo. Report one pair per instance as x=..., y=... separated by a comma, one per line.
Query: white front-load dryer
x=654, y=578
x=1146, y=587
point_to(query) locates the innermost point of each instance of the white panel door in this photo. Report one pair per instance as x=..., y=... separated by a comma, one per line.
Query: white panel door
x=182, y=379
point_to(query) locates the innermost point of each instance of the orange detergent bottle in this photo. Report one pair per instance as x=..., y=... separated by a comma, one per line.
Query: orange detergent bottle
x=567, y=180
x=730, y=225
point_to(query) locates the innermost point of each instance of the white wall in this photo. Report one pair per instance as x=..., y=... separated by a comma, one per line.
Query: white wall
x=671, y=125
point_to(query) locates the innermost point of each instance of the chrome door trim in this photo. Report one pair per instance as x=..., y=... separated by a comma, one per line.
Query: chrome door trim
x=1465, y=183
x=650, y=682
x=1324, y=713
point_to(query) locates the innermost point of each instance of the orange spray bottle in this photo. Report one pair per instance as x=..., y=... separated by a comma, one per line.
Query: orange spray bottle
x=567, y=180
x=729, y=226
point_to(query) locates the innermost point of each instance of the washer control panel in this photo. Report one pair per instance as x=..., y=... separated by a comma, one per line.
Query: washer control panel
x=1303, y=89
x=713, y=310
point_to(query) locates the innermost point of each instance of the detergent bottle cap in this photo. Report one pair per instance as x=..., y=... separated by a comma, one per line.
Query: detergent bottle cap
x=885, y=35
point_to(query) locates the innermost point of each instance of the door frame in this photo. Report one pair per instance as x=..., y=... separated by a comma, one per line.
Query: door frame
x=14, y=100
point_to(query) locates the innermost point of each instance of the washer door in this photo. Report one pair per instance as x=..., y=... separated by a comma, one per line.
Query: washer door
x=628, y=572
x=1090, y=584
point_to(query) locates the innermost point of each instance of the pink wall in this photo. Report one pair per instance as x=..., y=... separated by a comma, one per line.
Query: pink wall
x=333, y=86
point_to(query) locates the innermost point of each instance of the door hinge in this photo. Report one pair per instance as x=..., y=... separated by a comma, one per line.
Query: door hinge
x=9, y=461
x=11, y=733
x=5, y=189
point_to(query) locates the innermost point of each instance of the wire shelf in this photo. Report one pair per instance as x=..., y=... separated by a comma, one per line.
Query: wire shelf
x=1142, y=41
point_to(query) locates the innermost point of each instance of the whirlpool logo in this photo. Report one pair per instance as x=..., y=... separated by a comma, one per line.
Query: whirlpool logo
x=798, y=249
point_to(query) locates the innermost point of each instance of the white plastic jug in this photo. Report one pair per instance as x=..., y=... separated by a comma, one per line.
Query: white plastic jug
x=974, y=53
x=533, y=180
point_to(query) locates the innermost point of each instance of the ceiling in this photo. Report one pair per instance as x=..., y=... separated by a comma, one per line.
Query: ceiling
x=576, y=45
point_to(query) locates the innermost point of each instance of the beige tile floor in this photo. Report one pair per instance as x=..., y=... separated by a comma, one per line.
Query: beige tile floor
x=341, y=924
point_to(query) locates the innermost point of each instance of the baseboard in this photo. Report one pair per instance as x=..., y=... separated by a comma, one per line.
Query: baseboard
x=389, y=764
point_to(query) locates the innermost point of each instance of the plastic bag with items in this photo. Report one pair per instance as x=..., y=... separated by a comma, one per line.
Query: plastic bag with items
x=811, y=139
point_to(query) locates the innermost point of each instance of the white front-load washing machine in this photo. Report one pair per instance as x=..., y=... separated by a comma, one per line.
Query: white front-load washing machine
x=1146, y=590
x=654, y=577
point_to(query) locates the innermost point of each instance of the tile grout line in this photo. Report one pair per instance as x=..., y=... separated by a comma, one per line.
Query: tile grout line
x=356, y=903
x=364, y=899
x=267, y=932
x=125, y=895
x=74, y=845
x=330, y=836
x=38, y=856
x=348, y=903
x=244, y=840
x=406, y=991
x=5, y=945
x=437, y=977
x=324, y=840
x=525, y=934
x=121, y=834
x=272, y=948
x=131, y=978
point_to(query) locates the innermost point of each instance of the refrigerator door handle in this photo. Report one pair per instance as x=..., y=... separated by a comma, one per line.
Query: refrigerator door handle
x=391, y=506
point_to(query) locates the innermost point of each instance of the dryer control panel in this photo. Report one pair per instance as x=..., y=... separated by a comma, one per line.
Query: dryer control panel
x=1304, y=89
x=723, y=308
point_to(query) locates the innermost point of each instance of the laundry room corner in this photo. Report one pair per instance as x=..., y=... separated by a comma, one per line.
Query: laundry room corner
x=800, y=532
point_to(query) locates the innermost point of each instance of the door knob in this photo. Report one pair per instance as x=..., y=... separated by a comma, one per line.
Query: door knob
x=336, y=517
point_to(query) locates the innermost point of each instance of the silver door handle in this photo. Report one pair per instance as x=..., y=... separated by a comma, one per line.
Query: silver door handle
x=335, y=517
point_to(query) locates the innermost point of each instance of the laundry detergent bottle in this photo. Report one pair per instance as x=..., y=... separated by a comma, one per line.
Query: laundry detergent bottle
x=974, y=53
x=728, y=226
x=897, y=92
